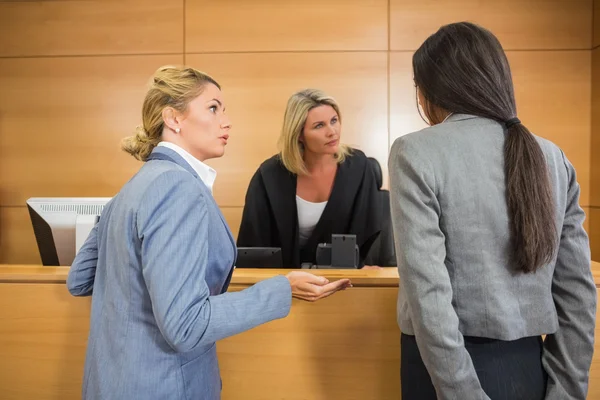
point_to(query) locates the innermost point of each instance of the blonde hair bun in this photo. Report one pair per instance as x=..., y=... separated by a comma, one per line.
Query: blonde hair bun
x=139, y=144
x=171, y=86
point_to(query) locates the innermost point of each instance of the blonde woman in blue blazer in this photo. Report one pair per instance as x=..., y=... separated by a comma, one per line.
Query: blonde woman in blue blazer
x=161, y=257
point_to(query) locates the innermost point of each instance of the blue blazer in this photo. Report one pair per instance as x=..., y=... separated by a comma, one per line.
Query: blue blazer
x=158, y=263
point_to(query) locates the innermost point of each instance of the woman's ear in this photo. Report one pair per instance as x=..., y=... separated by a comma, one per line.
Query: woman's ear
x=171, y=118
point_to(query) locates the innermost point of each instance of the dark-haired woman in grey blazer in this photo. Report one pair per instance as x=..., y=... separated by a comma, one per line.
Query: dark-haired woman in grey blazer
x=490, y=243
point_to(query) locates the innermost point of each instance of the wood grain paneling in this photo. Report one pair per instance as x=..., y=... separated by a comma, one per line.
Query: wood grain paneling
x=256, y=88
x=17, y=241
x=42, y=322
x=519, y=24
x=233, y=216
x=595, y=134
x=553, y=100
x=316, y=352
x=61, y=122
x=321, y=352
x=79, y=27
x=291, y=25
x=61, y=119
x=593, y=217
x=404, y=113
x=596, y=24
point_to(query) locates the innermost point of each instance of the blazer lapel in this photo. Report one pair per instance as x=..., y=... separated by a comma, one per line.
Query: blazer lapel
x=166, y=154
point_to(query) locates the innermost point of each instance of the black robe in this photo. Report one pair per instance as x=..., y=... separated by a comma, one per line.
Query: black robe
x=270, y=217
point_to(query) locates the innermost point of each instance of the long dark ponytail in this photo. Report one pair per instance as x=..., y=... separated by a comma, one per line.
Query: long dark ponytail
x=463, y=69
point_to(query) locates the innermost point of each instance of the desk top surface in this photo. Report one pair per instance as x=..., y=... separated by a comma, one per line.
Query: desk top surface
x=385, y=277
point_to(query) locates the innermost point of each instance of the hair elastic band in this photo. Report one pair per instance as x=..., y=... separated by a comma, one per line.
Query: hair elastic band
x=511, y=122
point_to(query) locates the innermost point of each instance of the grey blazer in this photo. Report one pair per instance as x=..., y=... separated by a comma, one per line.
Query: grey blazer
x=452, y=235
x=159, y=263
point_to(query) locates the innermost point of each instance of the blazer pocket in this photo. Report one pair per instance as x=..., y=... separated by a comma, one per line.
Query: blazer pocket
x=201, y=376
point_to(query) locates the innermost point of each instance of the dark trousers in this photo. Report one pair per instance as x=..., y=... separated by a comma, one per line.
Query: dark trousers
x=506, y=370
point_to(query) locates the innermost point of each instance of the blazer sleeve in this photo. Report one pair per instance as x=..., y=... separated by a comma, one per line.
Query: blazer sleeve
x=172, y=225
x=82, y=273
x=421, y=252
x=256, y=227
x=568, y=353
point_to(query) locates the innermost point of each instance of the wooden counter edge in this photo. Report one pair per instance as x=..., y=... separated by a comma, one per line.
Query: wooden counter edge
x=386, y=277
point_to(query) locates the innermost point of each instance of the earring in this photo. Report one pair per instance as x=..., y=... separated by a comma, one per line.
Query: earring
x=177, y=130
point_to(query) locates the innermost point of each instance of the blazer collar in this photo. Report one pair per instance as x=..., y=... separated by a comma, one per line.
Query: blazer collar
x=165, y=153
x=460, y=117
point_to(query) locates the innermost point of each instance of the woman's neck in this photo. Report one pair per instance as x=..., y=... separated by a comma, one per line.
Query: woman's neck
x=181, y=143
x=318, y=163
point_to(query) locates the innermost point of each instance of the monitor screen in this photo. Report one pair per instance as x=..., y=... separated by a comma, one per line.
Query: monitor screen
x=259, y=257
x=61, y=225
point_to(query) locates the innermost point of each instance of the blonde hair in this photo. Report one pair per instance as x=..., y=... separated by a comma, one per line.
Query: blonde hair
x=296, y=112
x=171, y=86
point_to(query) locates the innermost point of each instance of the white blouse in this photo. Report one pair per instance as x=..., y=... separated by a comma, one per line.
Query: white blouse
x=309, y=214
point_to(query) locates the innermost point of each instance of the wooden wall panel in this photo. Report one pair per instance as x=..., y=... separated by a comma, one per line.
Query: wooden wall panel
x=595, y=139
x=593, y=215
x=320, y=351
x=553, y=99
x=233, y=216
x=595, y=135
x=61, y=122
x=316, y=353
x=291, y=25
x=73, y=111
x=404, y=114
x=79, y=27
x=596, y=24
x=50, y=327
x=519, y=24
x=256, y=88
x=17, y=241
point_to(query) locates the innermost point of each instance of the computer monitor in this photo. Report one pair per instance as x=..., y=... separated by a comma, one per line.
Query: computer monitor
x=259, y=257
x=62, y=224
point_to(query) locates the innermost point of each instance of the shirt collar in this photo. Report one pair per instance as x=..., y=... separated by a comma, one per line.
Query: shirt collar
x=206, y=173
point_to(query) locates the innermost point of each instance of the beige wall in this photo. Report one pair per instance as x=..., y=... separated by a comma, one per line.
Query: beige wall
x=73, y=75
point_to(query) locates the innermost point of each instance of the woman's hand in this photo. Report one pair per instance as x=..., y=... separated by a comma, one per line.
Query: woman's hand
x=371, y=267
x=309, y=287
